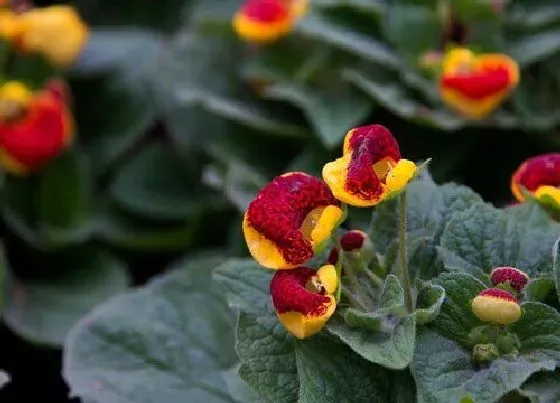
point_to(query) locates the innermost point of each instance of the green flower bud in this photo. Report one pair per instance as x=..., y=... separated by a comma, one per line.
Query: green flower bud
x=484, y=353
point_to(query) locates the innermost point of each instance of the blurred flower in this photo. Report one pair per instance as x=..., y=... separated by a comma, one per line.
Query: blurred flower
x=540, y=176
x=474, y=85
x=56, y=32
x=34, y=127
x=303, y=298
x=8, y=25
x=430, y=60
x=516, y=278
x=289, y=219
x=370, y=168
x=496, y=306
x=264, y=21
x=333, y=256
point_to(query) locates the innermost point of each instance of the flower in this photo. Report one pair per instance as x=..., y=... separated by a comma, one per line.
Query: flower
x=497, y=306
x=540, y=176
x=370, y=168
x=333, y=256
x=289, y=219
x=509, y=275
x=8, y=25
x=474, y=85
x=56, y=32
x=303, y=298
x=264, y=21
x=34, y=127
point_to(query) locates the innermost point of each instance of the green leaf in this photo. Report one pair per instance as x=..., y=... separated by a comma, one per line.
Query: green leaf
x=485, y=238
x=171, y=340
x=539, y=289
x=543, y=387
x=456, y=320
x=331, y=111
x=154, y=184
x=392, y=293
x=268, y=362
x=367, y=47
x=245, y=284
x=43, y=310
x=430, y=300
x=556, y=265
x=445, y=373
x=535, y=47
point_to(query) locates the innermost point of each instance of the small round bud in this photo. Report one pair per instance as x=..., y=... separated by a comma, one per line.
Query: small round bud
x=353, y=240
x=516, y=278
x=497, y=306
x=484, y=353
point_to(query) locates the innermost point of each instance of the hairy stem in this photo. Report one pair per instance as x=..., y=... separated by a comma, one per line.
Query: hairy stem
x=404, y=275
x=355, y=302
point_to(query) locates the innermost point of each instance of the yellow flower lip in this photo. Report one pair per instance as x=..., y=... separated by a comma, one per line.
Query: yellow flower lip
x=283, y=228
x=496, y=306
x=264, y=21
x=303, y=298
x=474, y=85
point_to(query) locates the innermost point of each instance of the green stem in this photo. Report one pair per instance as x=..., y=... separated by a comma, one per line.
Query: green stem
x=355, y=302
x=405, y=276
x=375, y=279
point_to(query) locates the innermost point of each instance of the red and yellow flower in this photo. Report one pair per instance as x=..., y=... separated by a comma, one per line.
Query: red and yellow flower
x=474, y=85
x=56, y=32
x=370, y=168
x=496, y=306
x=303, y=298
x=34, y=127
x=264, y=21
x=540, y=176
x=289, y=220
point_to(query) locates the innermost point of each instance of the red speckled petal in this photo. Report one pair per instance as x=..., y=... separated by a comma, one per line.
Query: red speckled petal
x=479, y=85
x=266, y=11
x=498, y=293
x=537, y=171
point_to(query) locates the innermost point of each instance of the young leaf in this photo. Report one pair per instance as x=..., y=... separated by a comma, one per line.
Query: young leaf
x=446, y=373
x=171, y=340
x=430, y=300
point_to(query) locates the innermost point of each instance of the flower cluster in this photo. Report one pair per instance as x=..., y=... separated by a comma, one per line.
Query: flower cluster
x=497, y=305
x=539, y=176
x=474, y=85
x=35, y=127
x=262, y=21
x=56, y=32
x=291, y=219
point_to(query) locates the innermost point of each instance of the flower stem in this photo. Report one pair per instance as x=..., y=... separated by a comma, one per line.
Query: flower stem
x=405, y=276
x=375, y=279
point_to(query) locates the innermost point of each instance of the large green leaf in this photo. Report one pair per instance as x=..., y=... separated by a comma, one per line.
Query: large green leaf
x=542, y=388
x=43, y=310
x=446, y=373
x=485, y=237
x=155, y=184
x=171, y=340
x=556, y=265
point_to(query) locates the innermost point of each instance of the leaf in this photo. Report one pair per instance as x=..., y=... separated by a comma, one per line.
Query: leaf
x=486, y=238
x=155, y=184
x=268, y=362
x=367, y=47
x=171, y=340
x=445, y=373
x=543, y=387
x=392, y=293
x=331, y=111
x=456, y=320
x=535, y=47
x=44, y=310
x=430, y=300
x=556, y=265
x=245, y=284
x=539, y=289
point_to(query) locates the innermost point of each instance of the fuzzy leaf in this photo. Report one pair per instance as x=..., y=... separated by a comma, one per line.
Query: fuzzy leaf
x=430, y=300
x=542, y=388
x=556, y=264
x=171, y=340
x=446, y=373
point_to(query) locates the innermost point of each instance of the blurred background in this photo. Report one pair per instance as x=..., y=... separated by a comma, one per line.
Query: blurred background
x=179, y=122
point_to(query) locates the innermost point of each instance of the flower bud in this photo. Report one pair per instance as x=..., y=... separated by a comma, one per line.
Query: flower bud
x=497, y=306
x=509, y=275
x=358, y=243
x=508, y=343
x=483, y=334
x=484, y=353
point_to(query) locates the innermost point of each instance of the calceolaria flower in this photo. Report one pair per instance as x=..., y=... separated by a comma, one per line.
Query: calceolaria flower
x=303, y=298
x=540, y=176
x=370, y=168
x=511, y=276
x=289, y=220
x=34, y=127
x=56, y=32
x=474, y=85
x=263, y=21
x=496, y=306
